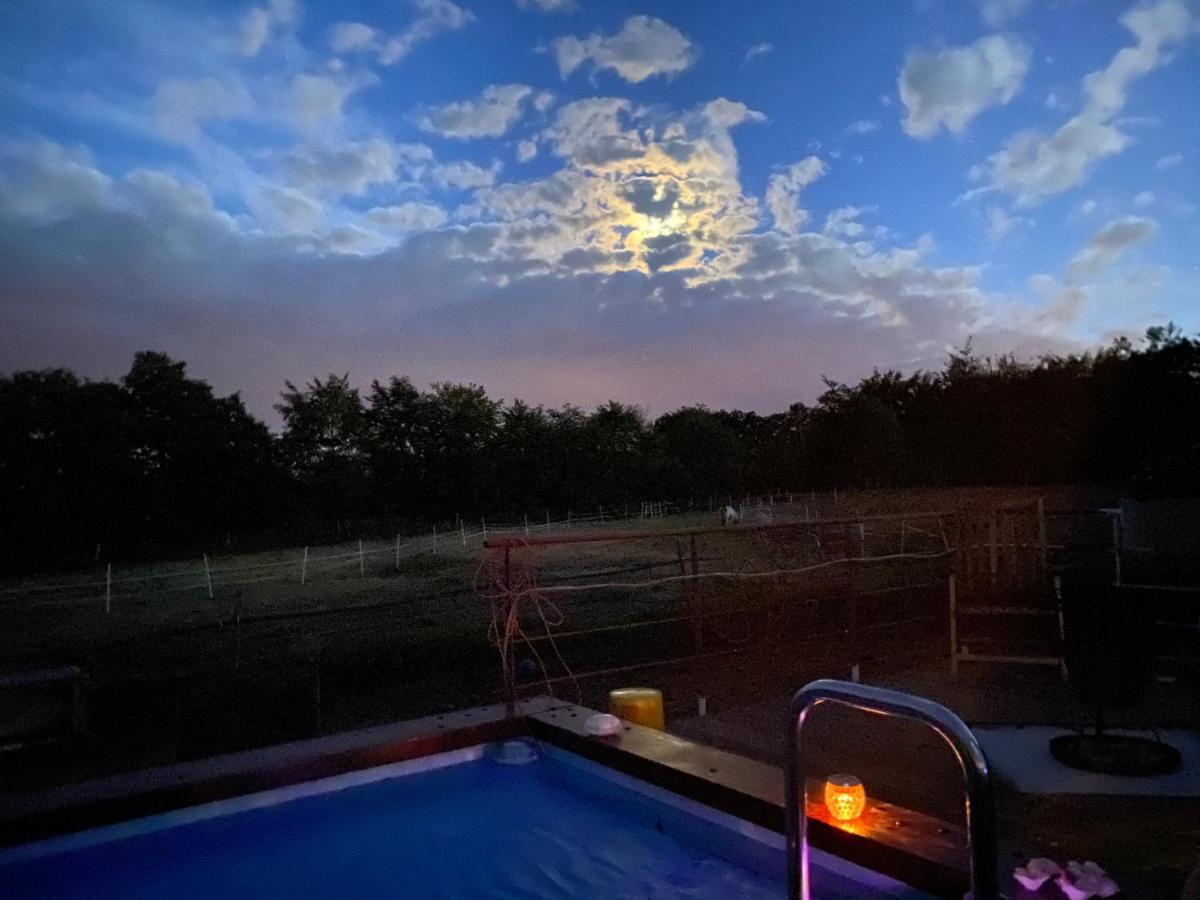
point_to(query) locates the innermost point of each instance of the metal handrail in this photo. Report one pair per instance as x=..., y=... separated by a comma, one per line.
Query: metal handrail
x=980, y=811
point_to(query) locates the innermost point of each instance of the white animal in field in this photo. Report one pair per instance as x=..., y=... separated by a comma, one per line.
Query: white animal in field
x=729, y=516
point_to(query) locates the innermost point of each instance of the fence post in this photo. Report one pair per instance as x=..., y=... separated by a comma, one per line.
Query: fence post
x=483, y=525
x=993, y=548
x=1117, y=541
x=600, y=506
x=397, y=563
x=107, y=589
x=362, y=567
x=1041, y=514
x=434, y=545
x=953, y=627
x=208, y=576
x=568, y=518
x=304, y=567
x=462, y=526
x=527, y=523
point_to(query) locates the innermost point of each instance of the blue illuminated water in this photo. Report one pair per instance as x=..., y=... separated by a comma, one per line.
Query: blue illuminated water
x=474, y=829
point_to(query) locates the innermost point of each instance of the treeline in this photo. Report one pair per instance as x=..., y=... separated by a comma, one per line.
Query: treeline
x=156, y=464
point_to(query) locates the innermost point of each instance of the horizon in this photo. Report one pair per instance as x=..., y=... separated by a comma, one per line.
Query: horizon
x=569, y=202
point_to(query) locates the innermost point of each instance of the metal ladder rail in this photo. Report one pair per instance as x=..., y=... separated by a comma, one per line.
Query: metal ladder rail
x=980, y=810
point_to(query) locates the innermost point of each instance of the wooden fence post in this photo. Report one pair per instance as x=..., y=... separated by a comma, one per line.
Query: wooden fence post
x=397, y=561
x=107, y=589
x=527, y=523
x=953, y=627
x=483, y=525
x=993, y=548
x=1042, y=554
x=462, y=526
x=362, y=564
x=435, y=540
x=304, y=567
x=1117, y=540
x=208, y=576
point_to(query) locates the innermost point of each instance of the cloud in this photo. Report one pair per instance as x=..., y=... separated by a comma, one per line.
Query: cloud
x=464, y=175
x=526, y=150
x=1033, y=166
x=1143, y=199
x=410, y=216
x=783, y=193
x=1087, y=207
x=350, y=168
x=996, y=13
x=496, y=110
x=862, y=126
x=433, y=17
x=1109, y=244
x=349, y=36
x=256, y=26
x=286, y=210
x=950, y=88
x=182, y=107
x=644, y=47
x=844, y=221
x=1000, y=223
x=1166, y=162
x=548, y=5
x=630, y=271
x=756, y=51
x=316, y=99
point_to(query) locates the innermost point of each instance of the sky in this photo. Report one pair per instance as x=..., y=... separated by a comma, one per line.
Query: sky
x=662, y=203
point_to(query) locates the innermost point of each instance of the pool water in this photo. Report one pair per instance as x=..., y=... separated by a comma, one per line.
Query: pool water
x=461, y=826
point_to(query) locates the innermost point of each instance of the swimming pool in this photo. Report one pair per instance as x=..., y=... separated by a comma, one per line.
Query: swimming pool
x=450, y=823
x=458, y=824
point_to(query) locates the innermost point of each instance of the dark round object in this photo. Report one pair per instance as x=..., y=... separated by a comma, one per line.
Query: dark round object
x=1115, y=754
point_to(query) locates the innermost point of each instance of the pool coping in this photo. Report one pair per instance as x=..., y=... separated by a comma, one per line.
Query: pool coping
x=746, y=788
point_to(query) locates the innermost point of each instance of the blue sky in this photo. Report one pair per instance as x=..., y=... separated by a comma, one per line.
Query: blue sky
x=658, y=202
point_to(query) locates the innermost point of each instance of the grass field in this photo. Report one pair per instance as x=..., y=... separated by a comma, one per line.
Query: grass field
x=176, y=675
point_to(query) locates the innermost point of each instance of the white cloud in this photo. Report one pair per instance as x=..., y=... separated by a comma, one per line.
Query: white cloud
x=1166, y=162
x=844, y=221
x=1033, y=166
x=349, y=168
x=526, y=150
x=644, y=47
x=783, y=193
x=349, y=36
x=411, y=216
x=998, y=12
x=1000, y=223
x=730, y=113
x=314, y=99
x=1108, y=244
x=756, y=51
x=950, y=88
x=1143, y=199
x=491, y=115
x=464, y=175
x=1087, y=207
x=433, y=18
x=45, y=181
x=257, y=25
x=862, y=126
x=548, y=5
x=286, y=210
x=181, y=107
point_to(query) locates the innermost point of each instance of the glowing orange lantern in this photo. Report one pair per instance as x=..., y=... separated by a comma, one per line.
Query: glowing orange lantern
x=845, y=797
